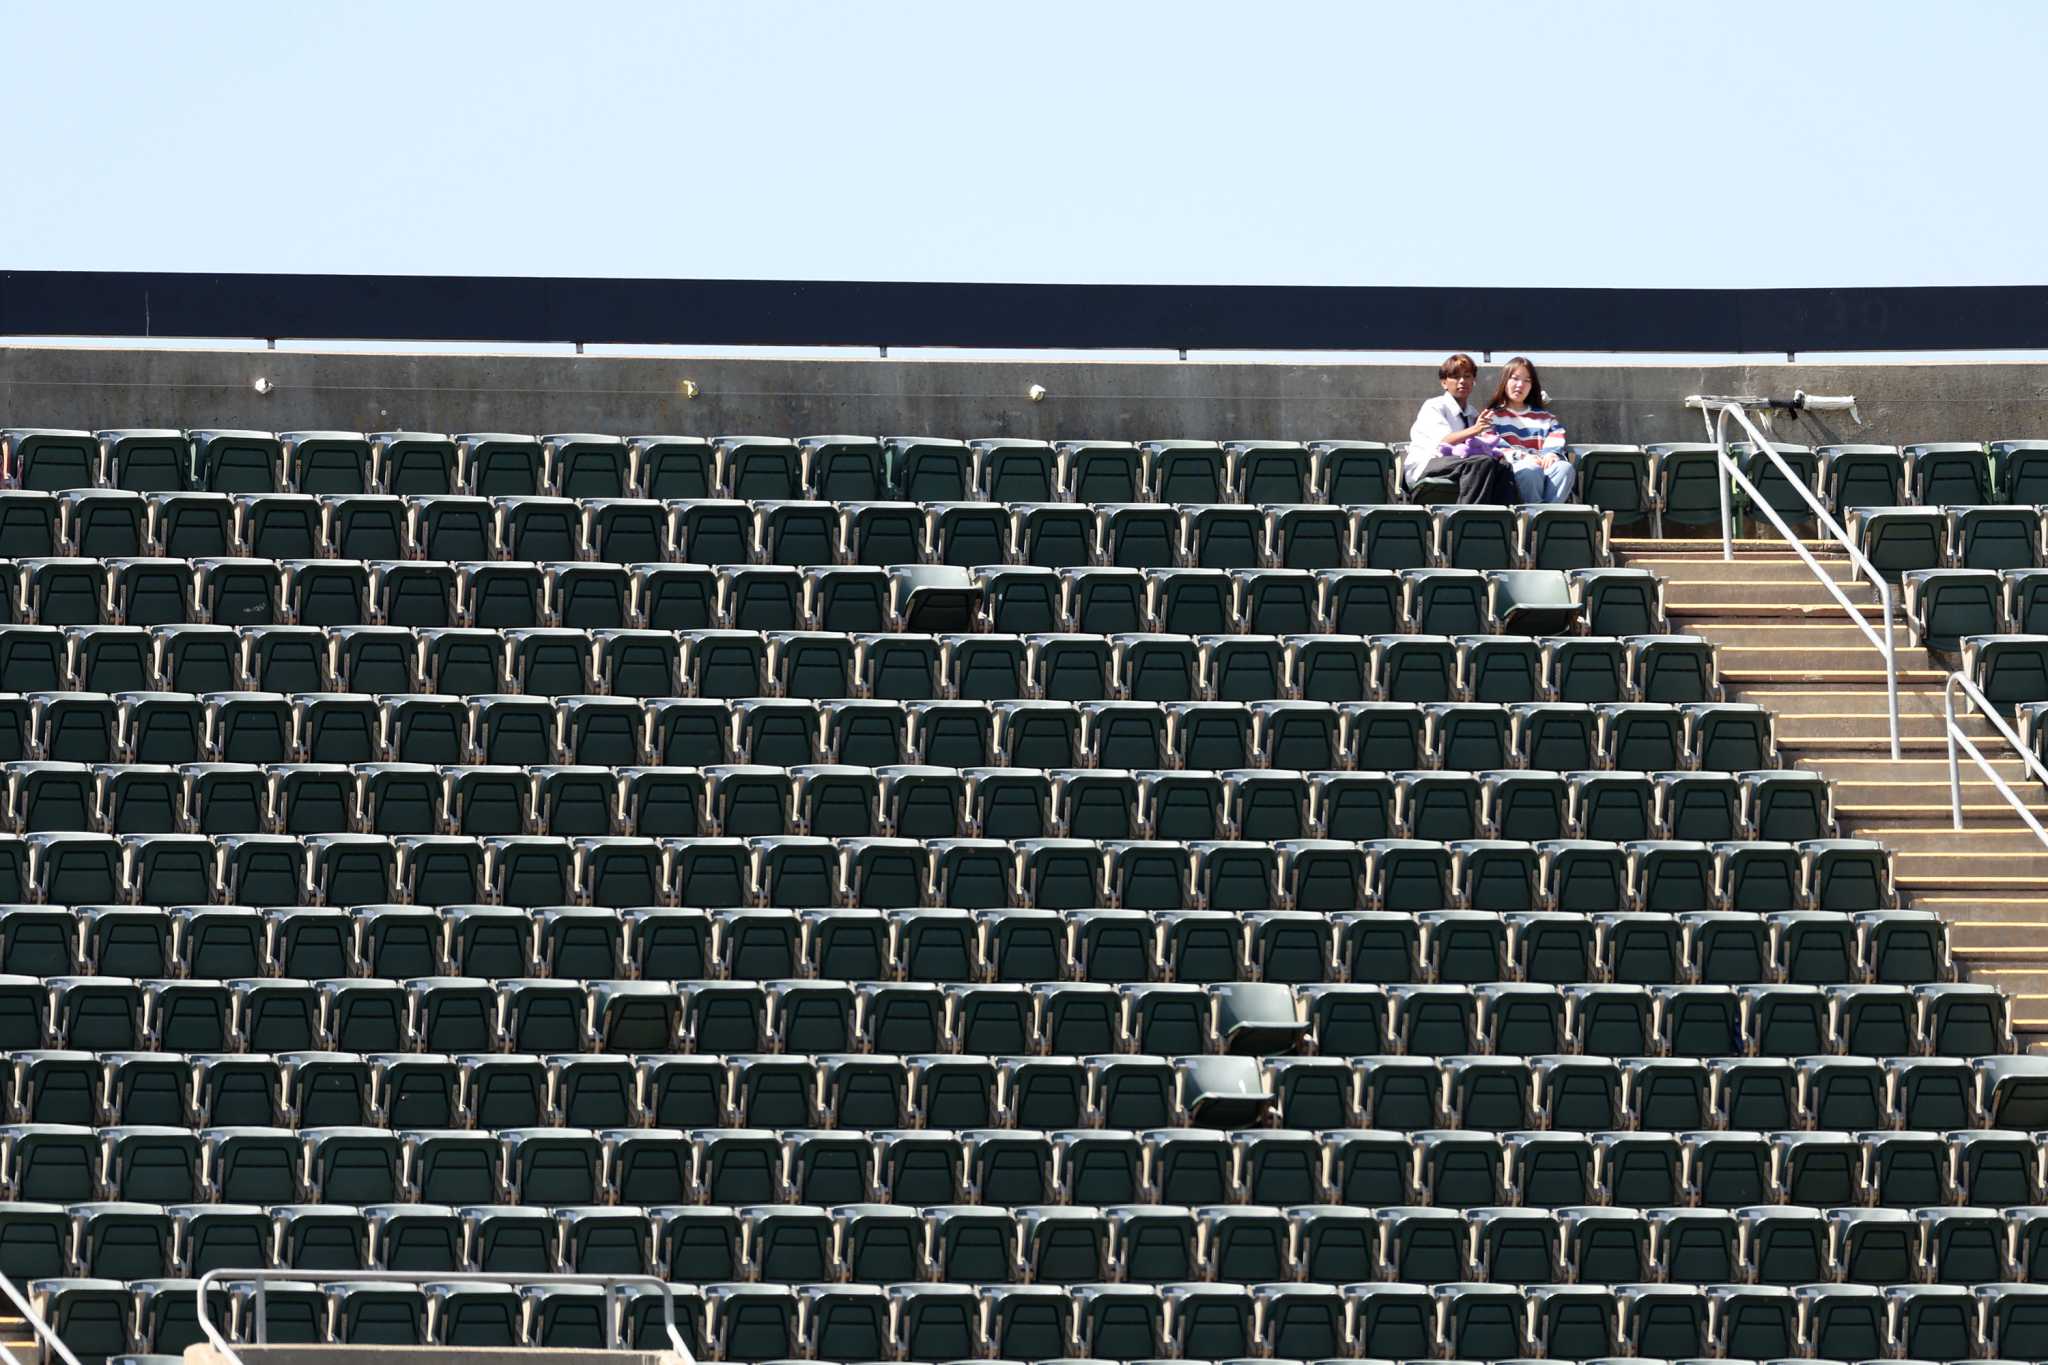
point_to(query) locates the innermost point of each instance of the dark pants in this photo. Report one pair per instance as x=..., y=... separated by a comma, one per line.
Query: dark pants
x=1480, y=479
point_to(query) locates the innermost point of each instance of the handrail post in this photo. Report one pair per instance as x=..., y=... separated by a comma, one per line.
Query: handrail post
x=1891, y=668
x=1955, y=773
x=1957, y=739
x=1717, y=432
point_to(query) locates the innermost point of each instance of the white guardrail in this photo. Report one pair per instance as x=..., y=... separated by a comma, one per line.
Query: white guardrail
x=214, y=1279
x=51, y=1342
x=1717, y=431
x=1957, y=739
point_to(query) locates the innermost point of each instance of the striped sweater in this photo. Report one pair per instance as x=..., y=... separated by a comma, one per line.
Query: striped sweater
x=1528, y=433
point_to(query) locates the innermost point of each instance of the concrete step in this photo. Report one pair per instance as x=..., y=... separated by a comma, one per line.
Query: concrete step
x=1769, y=602
x=1872, y=719
x=2000, y=935
x=1835, y=634
x=2020, y=981
x=1830, y=663
x=1980, y=841
x=1813, y=751
x=1868, y=801
x=1740, y=584
x=2017, y=908
x=1906, y=771
x=1789, y=696
x=1711, y=568
x=1768, y=546
x=1862, y=668
x=1936, y=793
x=1915, y=873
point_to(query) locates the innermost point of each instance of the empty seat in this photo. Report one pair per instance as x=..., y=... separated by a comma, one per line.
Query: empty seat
x=1898, y=540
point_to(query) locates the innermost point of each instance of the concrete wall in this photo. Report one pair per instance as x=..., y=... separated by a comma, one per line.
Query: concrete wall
x=98, y=388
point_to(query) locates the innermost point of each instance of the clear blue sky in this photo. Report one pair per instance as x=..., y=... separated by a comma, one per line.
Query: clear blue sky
x=1889, y=142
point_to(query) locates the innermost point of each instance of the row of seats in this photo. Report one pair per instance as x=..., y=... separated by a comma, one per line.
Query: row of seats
x=1027, y=600
x=1945, y=605
x=830, y=468
x=1089, y=1324
x=1677, y=479
x=1679, y=484
x=835, y=800
x=363, y=686
x=2009, y=669
x=1201, y=947
x=1900, y=540
x=498, y=728
x=1325, y=876
x=821, y=665
x=870, y=1244
x=1017, y=1168
x=152, y=1322
x=300, y=528
x=151, y=1092
x=455, y=1014
x=1011, y=599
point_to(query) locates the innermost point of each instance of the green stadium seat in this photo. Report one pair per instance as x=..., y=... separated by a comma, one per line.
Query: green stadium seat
x=1684, y=485
x=1995, y=537
x=47, y=459
x=322, y=461
x=1861, y=476
x=1360, y=601
x=1948, y=473
x=1778, y=492
x=1448, y=601
x=1672, y=668
x=1562, y=537
x=1394, y=537
x=2008, y=668
x=2019, y=471
x=1615, y=479
x=1477, y=537
x=1899, y=540
x=1347, y=473
x=1099, y=471
x=1946, y=604
x=145, y=460
x=413, y=462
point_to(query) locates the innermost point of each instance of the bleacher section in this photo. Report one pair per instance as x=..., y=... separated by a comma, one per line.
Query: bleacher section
x=938, y=900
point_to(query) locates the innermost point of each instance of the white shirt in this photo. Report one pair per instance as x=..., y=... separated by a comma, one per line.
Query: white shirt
x=1438, y=418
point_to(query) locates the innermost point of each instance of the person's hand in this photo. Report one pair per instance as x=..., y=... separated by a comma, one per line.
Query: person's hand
x=1545, y=460
x=1485, y=422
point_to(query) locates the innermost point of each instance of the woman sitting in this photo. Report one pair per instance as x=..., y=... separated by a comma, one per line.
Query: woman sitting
x=1532, y=439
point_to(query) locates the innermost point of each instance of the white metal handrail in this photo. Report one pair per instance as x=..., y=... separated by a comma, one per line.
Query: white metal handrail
x=1957, y=739
x=50, y=1340
x=1717, y=429
x=259, y=1278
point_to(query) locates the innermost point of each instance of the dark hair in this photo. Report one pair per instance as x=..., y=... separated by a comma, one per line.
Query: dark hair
x=1455, y=365
x=1500, y=390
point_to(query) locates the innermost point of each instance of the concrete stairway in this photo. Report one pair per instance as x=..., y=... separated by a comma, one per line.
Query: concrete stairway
x=1786, y=643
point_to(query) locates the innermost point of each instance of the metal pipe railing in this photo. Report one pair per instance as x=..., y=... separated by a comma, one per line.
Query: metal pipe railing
x=1957, y=739
x=1717, y=430
x=51, y=1342
x=259, y=1278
